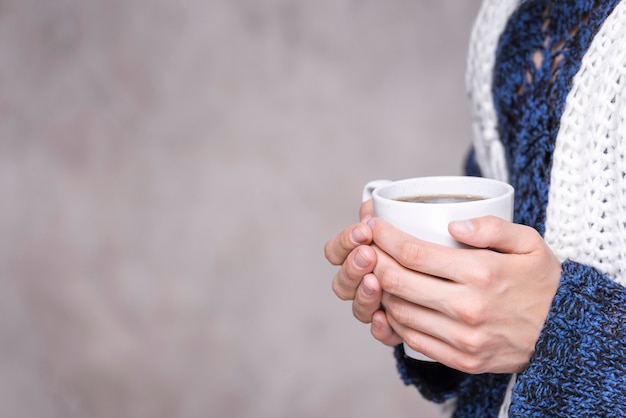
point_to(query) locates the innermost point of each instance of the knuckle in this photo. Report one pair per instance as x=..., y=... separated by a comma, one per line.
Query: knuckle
x=410, y=252
x=471, y=364
x=337, y=249
x=530, y=232
x=330, y=254
x=385, y=338
x=473, y=343
x=497, y=225
x=346, y=282
x=414, y=341
x=361, y=313
x=484, y=276
x=341, y=292
x=390, y=280
x=399, y=311
x=472, y=312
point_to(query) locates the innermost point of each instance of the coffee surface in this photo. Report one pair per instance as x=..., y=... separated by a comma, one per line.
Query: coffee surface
x=440, y=198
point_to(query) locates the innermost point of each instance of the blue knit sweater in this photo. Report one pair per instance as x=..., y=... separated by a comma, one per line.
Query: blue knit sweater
x=579, y=365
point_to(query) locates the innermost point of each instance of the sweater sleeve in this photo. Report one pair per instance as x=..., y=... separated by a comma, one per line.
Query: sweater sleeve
x=435, y=381
x=438, y=383
x=579, y=365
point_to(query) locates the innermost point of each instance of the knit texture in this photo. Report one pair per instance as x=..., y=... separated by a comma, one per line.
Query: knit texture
x=490, y=23
x=586, y=215
x=539, y=53
x=546, y=50
x=579, y=367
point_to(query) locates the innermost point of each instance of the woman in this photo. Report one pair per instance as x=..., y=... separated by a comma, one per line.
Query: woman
x=533, y=322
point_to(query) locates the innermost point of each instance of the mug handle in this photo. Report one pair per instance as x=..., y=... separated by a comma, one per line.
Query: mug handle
x=371, y=186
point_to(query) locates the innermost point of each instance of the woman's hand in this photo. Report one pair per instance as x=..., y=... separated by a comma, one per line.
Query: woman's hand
x=351, y=250
x=476, y=310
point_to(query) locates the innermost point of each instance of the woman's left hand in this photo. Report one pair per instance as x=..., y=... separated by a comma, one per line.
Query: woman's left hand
x=474, y=309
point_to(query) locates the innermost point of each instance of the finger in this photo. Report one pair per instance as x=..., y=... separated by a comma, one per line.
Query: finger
x=420, y=319
x=437, y=349
x=418, y=341
x=367, y=299
x=434, y=335
x=453, y=300
x=359, y=262
x=366, y=211
x=467, y=349
x=455, y=264
x=495, y=233
x=414, y=286
x=382, y=331
x=337, y=249
x=413, y=253
x=465, y=297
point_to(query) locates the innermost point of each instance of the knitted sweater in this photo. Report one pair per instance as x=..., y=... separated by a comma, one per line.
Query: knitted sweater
x=547, y=84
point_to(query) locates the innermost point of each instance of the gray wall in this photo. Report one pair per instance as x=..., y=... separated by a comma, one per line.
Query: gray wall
x=169, y=173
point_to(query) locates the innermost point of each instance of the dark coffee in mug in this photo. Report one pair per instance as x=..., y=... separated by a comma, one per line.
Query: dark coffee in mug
x=440, y=198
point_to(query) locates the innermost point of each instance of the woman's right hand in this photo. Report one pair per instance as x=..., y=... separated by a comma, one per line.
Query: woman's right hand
x=351, y=251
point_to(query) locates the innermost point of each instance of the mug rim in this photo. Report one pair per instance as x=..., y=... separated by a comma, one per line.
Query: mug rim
x=506, y=189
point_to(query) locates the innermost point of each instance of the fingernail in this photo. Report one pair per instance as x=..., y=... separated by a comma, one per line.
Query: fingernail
x=376, y=324
x=367, y=290
x=366, y=219
x=357, y=235
x=360, y=260
x=463, y=227
x=371, y=222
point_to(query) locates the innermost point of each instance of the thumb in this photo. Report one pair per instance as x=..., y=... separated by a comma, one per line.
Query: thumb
x=494, y=233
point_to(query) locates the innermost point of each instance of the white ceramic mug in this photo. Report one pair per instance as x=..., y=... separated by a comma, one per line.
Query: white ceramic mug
x=429, y=221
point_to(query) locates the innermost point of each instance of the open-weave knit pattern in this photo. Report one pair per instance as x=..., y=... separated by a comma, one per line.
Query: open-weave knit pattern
x=555, y=124
x=538, y=55
x=586, y=216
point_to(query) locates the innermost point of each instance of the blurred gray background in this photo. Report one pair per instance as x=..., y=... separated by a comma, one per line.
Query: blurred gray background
x=169, y=174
